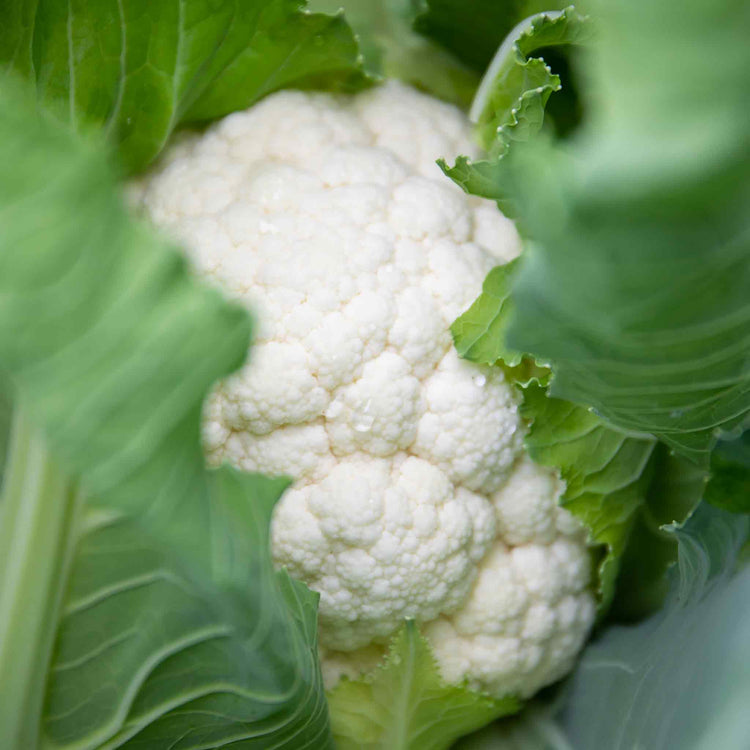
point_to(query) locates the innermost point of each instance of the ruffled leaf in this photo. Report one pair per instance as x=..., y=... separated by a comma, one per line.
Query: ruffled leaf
x=473, y=29
x=510, y=103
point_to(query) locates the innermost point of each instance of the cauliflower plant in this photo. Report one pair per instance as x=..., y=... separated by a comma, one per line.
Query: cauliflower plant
x=413, y=498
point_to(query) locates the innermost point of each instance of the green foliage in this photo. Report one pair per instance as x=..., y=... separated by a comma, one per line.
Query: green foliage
x=479, y=334
x=511, y=100
x=474, y=29
x=152, y=651
x=392, y=49
x=624, y=488
x=510, y=103
x=637, y=284
x=139, y=68
x=103, y=330
x=6, y=412
x=174, y=627
x=679, y=679
x=405, y=705
x=486, y=178
x=729, y=487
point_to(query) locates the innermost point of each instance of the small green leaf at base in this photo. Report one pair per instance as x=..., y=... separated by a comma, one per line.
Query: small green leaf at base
x=405, y=705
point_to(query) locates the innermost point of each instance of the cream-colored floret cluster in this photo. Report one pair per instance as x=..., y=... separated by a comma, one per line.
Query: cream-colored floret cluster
x=329, y=218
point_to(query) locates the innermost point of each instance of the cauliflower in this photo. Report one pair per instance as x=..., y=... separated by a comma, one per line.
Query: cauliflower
x=329, y=218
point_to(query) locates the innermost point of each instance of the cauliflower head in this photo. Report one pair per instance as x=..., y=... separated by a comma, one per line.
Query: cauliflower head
x=328, y=217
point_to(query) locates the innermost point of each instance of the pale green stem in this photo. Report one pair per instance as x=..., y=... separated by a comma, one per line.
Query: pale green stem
x=38, y=513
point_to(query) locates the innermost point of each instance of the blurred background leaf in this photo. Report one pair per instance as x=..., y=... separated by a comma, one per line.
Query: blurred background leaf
x=681, y=679
x=139, y=605
x=636, y=285
x=139, y=69
x=393, y=49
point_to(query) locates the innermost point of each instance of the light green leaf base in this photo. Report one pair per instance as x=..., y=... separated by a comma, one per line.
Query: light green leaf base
x=405, y=705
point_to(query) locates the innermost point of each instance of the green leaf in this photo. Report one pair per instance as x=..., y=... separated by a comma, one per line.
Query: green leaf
x=514, y=91
x=479, y=334
x=39, y=510
x=139, y=68
x=474, y=29
x=150, y=653
x=6, y=413
x=675, y=488
x=485, y=178
x=682, y=678
x=175, y=629
x=510, y=103
x=729, y=487
x=637, y=285
x=392, y=49
x=623, y=488
x=107, y=337
x=404, y=704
